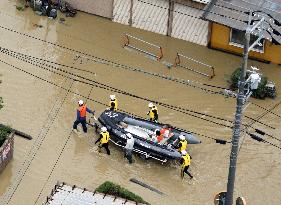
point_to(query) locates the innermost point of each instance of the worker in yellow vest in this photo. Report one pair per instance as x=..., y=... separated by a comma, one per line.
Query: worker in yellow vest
x=185, y=162
x=113, y=103
x=182, y=144
x=103, y=140
x=153, y=112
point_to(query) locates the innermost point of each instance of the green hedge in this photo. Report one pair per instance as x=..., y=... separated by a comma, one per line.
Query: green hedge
x=260, y=92
x=116, y=190
x=4, y=133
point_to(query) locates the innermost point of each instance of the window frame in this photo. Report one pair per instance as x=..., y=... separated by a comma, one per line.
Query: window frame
x=242, y=46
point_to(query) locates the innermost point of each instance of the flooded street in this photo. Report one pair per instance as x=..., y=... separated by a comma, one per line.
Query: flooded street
x=35, y=103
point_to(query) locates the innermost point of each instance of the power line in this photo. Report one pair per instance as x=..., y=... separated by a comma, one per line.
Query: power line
x=54, y=166
x=118, y=65
x=35, y=147
x=252, y=122
x=220, y=141
x=107, y=87
x=33, y=61
x=266, y=109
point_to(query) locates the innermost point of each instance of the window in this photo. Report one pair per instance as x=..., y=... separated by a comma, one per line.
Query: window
x=237, y=38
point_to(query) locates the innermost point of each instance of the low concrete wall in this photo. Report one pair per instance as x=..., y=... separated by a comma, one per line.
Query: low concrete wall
x=6, y=152
x=102, y=8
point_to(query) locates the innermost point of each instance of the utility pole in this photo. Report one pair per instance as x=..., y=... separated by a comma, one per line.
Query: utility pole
x=241, y=100
x=237, y=124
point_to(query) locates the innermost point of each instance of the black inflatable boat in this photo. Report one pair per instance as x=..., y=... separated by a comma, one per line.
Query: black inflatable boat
x=119, y=124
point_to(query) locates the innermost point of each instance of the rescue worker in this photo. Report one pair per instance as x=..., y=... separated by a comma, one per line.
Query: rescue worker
x=153, y=112
x=103, y=140
x=182, y=144
x=167, y=131
x=129, y=148
x=185, y=162
x=81, y=116
x=113, y=103
x=159, y=136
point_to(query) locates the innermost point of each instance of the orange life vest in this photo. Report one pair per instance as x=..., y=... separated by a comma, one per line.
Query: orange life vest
x=82, y=110
x=162, y=131
x=160, y=138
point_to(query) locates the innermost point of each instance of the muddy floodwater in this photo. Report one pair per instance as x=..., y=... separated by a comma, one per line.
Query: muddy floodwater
x=35, y=105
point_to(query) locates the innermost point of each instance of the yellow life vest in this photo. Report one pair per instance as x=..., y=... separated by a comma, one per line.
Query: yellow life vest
x=151, y=113
x=105, y=137
x=186, y=160
x=183, y=145
x=115, y=104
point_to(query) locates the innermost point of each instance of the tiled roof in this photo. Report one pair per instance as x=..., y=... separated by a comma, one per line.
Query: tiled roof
x=235, y=13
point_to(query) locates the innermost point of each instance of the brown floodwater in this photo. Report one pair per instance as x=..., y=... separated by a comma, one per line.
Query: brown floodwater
x=47, y=113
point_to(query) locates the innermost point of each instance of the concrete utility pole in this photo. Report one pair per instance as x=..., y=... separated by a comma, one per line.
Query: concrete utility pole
x=241, y=100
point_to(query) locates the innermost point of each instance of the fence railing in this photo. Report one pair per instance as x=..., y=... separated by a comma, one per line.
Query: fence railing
x=128, y=43
x=178, y=62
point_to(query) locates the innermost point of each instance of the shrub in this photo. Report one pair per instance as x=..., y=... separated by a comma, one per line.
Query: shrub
x=116, y=190
x=260, y=92
x=4, y=133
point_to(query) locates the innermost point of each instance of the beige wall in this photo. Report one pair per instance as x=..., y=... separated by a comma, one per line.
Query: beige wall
x=102, y=8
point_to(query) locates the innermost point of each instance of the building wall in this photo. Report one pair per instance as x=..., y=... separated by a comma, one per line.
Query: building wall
x=6, y=152
x=188, y=25
x=150, y=15
x=102, y=8
x=220, y=40
x=176, y=18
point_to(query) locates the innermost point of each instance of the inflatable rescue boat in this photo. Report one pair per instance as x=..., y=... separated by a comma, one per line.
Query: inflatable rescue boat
x=119, y=124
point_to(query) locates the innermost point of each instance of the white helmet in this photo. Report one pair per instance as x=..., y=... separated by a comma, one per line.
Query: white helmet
x=150, y=105
x=183, y=152
x=182, y=137
x=112, y=97
x=129, y=136
x=80, y=102
x=103, y=129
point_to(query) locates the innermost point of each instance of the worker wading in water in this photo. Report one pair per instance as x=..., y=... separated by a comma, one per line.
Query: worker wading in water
x=185, y=162
x=129, y=148
x=182, y=144
x=113, y=103
x=153, y=112
x=81, y=116
x=103, y=140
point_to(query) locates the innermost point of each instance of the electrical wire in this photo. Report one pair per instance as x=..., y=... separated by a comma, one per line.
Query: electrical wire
x=56, y=162
x=169, y=78
x=98, y=102
x=179, y=109
x=251, y=123
x=34, y=149
x=107, y=87
x=265, y=109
